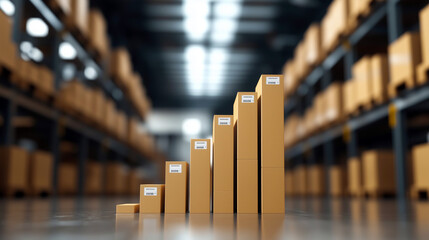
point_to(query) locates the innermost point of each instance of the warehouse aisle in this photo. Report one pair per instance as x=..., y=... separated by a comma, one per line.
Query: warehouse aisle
x=95, y=218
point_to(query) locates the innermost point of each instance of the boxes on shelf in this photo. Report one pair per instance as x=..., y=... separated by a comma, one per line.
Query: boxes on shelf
x=379, y=172
x=316, y=180
x=78, y=17
x=98, y=32
x=362, y=77
x=94, y=178
x=359, y=9
x=200, y=176
x=334, y=25
x=420, y=166
x=320, y=110
x=67, y=178
x=379, y=78
x=349, y=96
x=333, y=103
x=423, y=68
x=7, y=46
x=41, y=171
x=301, y=67
x=313, y=45
x=98, y=106
x=115, y=179
x=404, y=56
x=223, y=164
x=290, y=81
x=355, y=177
x=152, y=198
x=45, y=82
x=121, y=66
x=176, y=187
x=289, y=183
x=338, y=180
x=14, y=171
x=121, y=126
x=69, y=98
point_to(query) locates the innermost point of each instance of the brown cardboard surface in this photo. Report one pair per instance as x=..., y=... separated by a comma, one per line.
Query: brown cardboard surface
x=271, y=120
x=313, y=44
x=246, y=126
x=128, y=208
x=94, y=178
x=97, y=31
x=7, y=47
x=67, y=178
x=362, y=75
x=223, y=201
x=424, y=32
x=152, y=198
x=176, y=187
x=355, y=178
x=334, y=104
x=14, y=167
x=380, y=77
x=316, y=179
x=247, y=186
x=349, y=92
x=379, y=171
x=420, y=167
x=272, y=190
x=200, y=177
x=338, y=181
x=41, y=165
x=79, y=15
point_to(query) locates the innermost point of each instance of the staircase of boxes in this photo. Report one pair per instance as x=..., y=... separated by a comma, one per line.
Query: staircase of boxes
x=356, y=103
x=78, y=128
x=247, y=172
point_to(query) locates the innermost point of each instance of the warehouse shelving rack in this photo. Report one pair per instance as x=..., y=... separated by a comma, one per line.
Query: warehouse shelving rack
x=13, y=99
x=395, y=111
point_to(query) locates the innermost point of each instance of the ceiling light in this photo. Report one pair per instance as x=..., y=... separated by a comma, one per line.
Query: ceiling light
x=36, y=54
x=90, y=73
x=225, y=25
x=218, y=55
x=195, y=53
x=25, y=47
x=196, y=8
x=227, y=9
x=7, y=7
x=191, y=126
x=196, y=28
x=36, y=27
x=222, y=38
x=67, y=51
x=69, y=71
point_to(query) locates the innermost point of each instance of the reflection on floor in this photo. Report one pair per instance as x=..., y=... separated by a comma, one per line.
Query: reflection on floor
x=95, y=218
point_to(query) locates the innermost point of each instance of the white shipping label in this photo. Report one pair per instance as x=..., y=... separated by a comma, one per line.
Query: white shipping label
x=150, y=191
x=224, y=121
x=247, y=99
x=200, y=145
x=175, y=168
x=273, y=80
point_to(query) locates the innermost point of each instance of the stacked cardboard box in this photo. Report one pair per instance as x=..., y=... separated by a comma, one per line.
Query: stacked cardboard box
x=420, y=178
x=271, y=114
x=40, y=169
x=334, y=24
x=337, y=180
x=355, y=178
x=246, y=145
x=423, y=68
x=223, y=164
x=379, y=78
x=7, y=46
x=14, y=171
x=334, y=105
x=176, y=187
x=200, y=176
x=349, y=96
x=98, y=32
x=312, y=39
x=362, y=77
x=379, y=172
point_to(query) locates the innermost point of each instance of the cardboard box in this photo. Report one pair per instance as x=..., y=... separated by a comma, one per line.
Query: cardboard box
x=349, y=92
x=272, y=190
x=404, y=56
x=223, y=164
x=320, y=110
x=115, y=178
x=7, y=47
x=200, y=176
x=316, y=180
x=379, y=78
x=362, y=77
x=246, y=125
x=152, y=198
x=79, y=15
x=355, y=178
x=14, y=169
x=334, y=105
x=67, y=178
x=290, y=81
x=94, y=178
x=271, y=118
x=128, y=208
x=420, y=165
x=247, y=186
x=98, y=31
x=289, y=183
x=335, y=24
x=41, y=173
x=176, y=187
x=121, y=66
x=313, y=45
x=423, y=68
x=379, y=172
x=338, y=181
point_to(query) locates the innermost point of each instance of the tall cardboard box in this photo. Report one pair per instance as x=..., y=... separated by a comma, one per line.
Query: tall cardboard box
x=355, y=178
x=14, y=168
x=316, y=180
x=176, y=187
x=271, y=129
x=423, y=68
x=362, y=76
x=379, y=77
x=200, y=176
x=338, y=181
x=404, y=56
x=7, y=47
x=41, y=173
x=379, y=172
x=223, y=164
x=246, y=147
x=420, y=167
x=67, y=178
x=152, y=198
x=94, y=178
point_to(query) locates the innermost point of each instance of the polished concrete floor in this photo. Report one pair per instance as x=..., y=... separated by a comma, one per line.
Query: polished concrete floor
x=95, y=218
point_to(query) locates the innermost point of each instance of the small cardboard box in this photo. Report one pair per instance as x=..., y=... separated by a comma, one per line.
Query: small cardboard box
x=379, y=77
x=313, y=44
x=67, y=178
x=379, y=172
x=246, y=125
x=176, y=187
x=94, y=178
x=41, y=171
x=128, y=208
x=7, y=47
x=14, y=169
x=404, y=56
x=200, y=176
x=420, y=166
x=247, y=186
x=152, y=198
x=355, y=178
x=423, y=68
x=316, y=180
x=333, y=101
x=338, y=181
x=289, y=183
x=223, y=164
x=272, y=190
x=362, y=77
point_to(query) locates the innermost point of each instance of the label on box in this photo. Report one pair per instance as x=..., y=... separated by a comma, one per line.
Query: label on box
x=224, y=121
x=150, y=191
x=175, y=168
x=273, y=80
x=200, y=145
x=247, y=99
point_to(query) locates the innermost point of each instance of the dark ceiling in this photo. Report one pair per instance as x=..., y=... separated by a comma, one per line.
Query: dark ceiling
x=152, y=30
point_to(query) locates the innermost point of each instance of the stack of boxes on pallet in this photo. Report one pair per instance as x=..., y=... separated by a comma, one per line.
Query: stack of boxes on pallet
x=247, y=171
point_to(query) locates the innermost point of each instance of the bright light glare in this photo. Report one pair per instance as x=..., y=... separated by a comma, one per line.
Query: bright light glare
x=36, y=27
x=7, y=7
x=218, y=55
x=227, y=10
x=196, y=28
x=90, y=73
x=25, y=47
x=222, y=38
x=36, y=54
x=225, y=25
x=195, y=53
x=67, y=51
x=191, y=126
x=196, y=8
